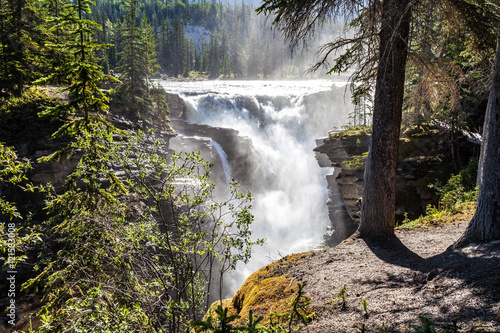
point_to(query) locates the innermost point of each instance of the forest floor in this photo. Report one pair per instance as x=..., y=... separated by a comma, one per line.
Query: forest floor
x=411, y=275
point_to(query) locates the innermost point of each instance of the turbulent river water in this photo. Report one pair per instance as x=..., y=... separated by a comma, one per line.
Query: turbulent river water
x=283, y=120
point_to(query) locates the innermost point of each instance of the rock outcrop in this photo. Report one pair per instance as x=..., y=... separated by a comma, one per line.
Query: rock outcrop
x=425, y=157
x=197, y=136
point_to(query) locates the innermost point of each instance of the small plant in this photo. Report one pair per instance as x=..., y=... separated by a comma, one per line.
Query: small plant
x=451, y=327
x=224, y=322
x=362, y=329
x=299, y=311
x=253, y=324
x=364, y=305
x=299, y=307
x=427, y=325
x=342, y=295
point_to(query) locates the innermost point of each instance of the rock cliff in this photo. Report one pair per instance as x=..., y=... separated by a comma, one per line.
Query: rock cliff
x=425, y=156
x=197, y=136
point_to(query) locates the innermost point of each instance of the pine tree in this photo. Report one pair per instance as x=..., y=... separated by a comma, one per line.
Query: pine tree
x=149, y=50
x=164, y=50
x=236, y=60
x=213, y=55
x=177, y=45
x=19, y=30
x=82, y=72
x=131, y=65
x=224, y=53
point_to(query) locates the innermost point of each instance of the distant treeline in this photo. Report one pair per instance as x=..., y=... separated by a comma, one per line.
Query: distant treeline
x=235, y=41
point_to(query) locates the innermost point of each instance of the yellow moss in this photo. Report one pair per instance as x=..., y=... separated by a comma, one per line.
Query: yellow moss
x=353, y=131
x=267, y=290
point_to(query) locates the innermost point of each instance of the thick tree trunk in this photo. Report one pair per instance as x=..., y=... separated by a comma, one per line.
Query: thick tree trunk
x=485, y=225
x=379, y=192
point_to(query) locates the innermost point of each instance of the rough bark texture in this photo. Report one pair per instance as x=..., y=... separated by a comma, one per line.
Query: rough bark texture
x=379, y=193
x=485, y=225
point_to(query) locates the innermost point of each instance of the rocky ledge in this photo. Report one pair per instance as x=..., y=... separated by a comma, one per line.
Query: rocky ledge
x=426, y=155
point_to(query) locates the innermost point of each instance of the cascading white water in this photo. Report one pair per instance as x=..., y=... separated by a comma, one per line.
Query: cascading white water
x=223, y=158
x=282, y=119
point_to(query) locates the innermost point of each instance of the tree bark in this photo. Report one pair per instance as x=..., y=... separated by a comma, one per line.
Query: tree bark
x=485, y=225
x=379, y=192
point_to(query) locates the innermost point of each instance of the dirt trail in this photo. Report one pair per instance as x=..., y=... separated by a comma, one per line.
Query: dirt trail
x=403, y=278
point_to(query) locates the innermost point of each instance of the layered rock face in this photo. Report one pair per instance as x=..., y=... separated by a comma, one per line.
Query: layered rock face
x=425, y=157
x=197, y=136
x=349, y=177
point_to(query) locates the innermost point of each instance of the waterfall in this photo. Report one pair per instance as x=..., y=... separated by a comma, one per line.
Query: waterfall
x=282, y=120
x=223, y=158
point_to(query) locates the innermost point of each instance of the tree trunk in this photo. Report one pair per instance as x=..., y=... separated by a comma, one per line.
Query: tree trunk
x=485, y=225
x=379, y=192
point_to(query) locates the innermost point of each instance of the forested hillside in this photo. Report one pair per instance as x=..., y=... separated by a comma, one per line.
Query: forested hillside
x=210, y=38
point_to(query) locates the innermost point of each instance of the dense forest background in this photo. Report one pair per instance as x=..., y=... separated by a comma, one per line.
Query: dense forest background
x=209, y=38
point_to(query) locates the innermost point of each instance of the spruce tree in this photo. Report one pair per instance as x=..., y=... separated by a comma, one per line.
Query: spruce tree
x=19, y=31
x=177, y=46
x=149, y=50
x=131, y=66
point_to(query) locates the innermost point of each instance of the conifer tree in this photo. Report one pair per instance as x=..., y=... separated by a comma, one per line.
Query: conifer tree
x=82, y=72
x=213, y=55
x=19, y=27
x=164, y=50
x=236, y=60
x=149, y=50
x=132, y=67
x=177, y=46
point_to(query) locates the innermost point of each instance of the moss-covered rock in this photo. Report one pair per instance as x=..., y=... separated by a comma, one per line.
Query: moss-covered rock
x=268, y=290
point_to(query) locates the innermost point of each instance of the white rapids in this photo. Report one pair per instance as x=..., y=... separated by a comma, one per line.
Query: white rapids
x=282, y=119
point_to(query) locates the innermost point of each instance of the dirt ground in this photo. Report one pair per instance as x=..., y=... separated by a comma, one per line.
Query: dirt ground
x=401, y=279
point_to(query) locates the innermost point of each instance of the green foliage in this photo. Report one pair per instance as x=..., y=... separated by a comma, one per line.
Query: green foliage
x=299, y=312
x=14, y=241
x=138, y=255
x=351, y=131
x=278, y=323
x=432, y=215
x=364, y=305
x=223, y=324
x=300, y=308
x=427, y=325
x=19, y=121
x=134, y=57
x=459, y=189
x=357, y=161
x=12, y=171
x=82, y=72
x=21, y=32
x=342, y=295
x=456, y=195
x=151, y=108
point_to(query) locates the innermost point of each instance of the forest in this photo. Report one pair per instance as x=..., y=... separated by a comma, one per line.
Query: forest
x=114, y=243
x=208, y=38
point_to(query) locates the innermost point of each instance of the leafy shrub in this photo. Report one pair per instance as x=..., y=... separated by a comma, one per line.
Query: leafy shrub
x=459, y=189
x=19, y=118
x=138, y=254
